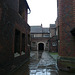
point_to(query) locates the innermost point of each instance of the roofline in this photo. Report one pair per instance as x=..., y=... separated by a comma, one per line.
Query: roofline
x=39, y=33
x=28, y=6
x=35, y=26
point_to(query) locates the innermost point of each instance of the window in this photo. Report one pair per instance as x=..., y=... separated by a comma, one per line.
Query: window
x=47, y=35
x=33, y=43
x=17, y=43
x=47, y=44
x=32, y=35
x=23, y=44
x=29, y=39
x=50, y=35
x=54, y=44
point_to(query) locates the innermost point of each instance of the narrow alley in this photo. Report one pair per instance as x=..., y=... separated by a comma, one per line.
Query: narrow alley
x=40, y=63
x=31, y=31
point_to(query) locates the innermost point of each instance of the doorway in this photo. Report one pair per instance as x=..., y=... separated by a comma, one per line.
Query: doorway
x=41, y=46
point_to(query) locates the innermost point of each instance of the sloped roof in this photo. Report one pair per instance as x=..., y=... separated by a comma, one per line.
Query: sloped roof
x=52, y=25
x=45, y=30
x=39, y=29
x=36, y=29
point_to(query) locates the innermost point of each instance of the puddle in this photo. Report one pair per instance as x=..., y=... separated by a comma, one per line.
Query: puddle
x=40, y=64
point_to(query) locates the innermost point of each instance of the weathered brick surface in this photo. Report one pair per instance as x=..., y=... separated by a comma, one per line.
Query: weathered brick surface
x=14, y=4
x=0, y=12
x=38, y=40
x=10, y=20
x=66, y=19
x=53, y=48
x=66, y=23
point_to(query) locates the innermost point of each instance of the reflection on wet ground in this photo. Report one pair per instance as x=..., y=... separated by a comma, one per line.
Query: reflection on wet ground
x=40, y=64
x=44, y=66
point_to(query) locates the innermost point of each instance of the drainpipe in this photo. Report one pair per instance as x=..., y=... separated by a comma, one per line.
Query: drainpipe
x=42, y=30
x=29, y=11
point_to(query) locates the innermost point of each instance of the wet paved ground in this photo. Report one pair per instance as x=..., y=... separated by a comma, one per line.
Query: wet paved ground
x=45, y=66
x=40, y=64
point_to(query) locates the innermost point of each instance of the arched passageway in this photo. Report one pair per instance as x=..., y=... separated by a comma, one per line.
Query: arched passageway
x=41, y=46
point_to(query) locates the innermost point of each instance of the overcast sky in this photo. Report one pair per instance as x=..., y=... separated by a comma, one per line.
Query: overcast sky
x=42, y=12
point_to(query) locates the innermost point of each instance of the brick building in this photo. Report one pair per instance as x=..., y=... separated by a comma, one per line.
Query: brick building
x=39, y=38
x=14, y=34
x=66, y=22
x=53, y=39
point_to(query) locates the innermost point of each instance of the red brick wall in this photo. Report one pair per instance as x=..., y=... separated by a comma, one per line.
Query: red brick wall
x=0, y=12
x=74, y=11
x=66, y=21
x=9, y=22
x=14, y=4
x=39, y=39
x=53, y=31
x=24, y=15
x=53, y=48
x=23, y=9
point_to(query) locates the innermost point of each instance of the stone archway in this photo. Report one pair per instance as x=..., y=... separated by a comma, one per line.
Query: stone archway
x=41, y=46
